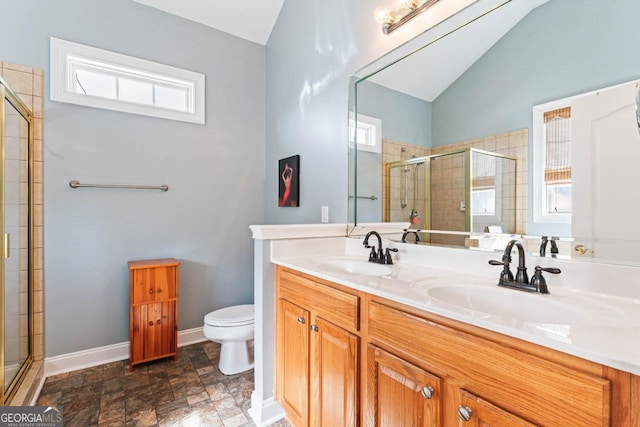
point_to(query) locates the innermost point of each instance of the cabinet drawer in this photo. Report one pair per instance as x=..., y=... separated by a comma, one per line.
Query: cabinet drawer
x=536, y=389
x=339, y=307
x=153, y=284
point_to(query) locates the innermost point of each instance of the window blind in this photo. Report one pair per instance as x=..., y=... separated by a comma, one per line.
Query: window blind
x=483, y=171
x=557, y=165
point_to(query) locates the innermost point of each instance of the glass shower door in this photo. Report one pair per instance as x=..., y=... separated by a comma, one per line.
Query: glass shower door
x=15, y=245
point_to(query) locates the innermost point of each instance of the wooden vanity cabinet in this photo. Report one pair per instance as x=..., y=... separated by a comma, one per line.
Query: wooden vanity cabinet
x=317, y=351
x=491, y=379
x=345, y=358
x=153, y=317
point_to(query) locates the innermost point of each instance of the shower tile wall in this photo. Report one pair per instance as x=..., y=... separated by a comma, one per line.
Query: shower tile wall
x=446, y=214
x=512, y=144
x=392, y=152
x=447, y=191
x=28, y=84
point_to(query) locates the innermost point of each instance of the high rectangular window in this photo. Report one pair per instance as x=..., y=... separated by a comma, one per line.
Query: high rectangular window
x=93, y=77
x=367, y=131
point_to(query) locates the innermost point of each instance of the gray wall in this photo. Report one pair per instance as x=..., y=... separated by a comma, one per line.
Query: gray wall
x=313, y=49
x=562, y=48
x=405, y=119
x=215, y=172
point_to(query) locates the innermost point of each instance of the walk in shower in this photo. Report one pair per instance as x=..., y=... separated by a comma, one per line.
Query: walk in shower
x=16, y=282
x=463, y=191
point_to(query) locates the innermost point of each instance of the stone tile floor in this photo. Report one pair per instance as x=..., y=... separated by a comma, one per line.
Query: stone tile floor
x=189, y=391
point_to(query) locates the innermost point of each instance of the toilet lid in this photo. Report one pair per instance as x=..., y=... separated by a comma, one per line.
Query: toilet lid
x=236, y=315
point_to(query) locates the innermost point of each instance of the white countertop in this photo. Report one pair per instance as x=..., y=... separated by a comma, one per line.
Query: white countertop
x=459, y=285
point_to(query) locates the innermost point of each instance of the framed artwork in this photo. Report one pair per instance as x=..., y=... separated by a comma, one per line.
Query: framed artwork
x=289, y=181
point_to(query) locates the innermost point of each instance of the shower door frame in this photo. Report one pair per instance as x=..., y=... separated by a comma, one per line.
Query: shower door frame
x=7, y=94
x=426, y=160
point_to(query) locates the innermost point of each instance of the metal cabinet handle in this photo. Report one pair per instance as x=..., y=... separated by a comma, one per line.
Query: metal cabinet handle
x=464, y=412
x=150, y=291
x=315, y=328
x=301, y=320
x=427, y=392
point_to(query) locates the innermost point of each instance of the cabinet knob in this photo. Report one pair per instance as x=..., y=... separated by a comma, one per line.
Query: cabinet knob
x=315, y=328
x=150, y=291
x=151, y=323
x=464, y=412
x=427, y=392
x=158, y=322
x=301, y=320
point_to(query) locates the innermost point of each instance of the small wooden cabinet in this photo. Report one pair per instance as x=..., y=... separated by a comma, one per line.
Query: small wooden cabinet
x=317, y=352
x=153, y=318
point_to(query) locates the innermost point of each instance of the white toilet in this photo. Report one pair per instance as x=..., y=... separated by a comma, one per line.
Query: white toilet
x=232, y=327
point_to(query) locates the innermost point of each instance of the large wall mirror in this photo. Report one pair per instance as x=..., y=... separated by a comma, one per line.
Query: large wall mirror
x=513, y=119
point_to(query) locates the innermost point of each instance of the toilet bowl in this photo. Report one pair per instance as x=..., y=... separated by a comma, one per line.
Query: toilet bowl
x=232, y=327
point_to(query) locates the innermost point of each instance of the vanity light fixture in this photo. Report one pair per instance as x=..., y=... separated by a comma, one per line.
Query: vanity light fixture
x=407, y=10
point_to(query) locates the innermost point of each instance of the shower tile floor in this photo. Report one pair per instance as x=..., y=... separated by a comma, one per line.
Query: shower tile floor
x=189, y=391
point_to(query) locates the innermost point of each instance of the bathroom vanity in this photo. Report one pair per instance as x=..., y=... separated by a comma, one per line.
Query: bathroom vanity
x=387, y=345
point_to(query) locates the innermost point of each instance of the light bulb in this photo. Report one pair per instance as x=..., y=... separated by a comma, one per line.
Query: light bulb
x=381, y=14
x=407, y=4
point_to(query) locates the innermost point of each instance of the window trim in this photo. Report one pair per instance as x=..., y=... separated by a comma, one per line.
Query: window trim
x=371, y=122
x=539, y=187
x=63, y=54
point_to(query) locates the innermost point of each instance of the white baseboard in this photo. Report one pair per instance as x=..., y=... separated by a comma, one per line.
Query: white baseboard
x=265, y=412
x=107, y=354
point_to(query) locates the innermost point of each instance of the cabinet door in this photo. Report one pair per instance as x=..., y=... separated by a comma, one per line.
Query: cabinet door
x=334, y=375
x=153, y=284
x=154, y=330
x=399, y=393
x=292, y=364
x=476, y=412
x=167, y=323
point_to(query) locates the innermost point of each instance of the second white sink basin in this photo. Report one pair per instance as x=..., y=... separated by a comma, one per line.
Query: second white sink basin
x=359, y=267
x=494, y=301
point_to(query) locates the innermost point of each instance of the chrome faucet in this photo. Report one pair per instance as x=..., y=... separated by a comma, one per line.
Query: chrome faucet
x=521, y=281
x=379, y=256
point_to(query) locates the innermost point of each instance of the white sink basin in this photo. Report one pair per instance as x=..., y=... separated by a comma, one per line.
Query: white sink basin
x=484, y=301
x=359, y=267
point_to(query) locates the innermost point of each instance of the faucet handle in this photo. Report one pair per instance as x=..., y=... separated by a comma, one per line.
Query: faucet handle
x=373, y=256
x=387, y=255
x=538, y=280
x=505, y=275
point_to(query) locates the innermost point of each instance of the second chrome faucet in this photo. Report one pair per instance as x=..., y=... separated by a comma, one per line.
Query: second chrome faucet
x=521, y=281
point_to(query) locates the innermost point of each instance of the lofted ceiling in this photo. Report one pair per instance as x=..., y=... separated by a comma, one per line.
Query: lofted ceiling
x=252, y=20
x=426, y=73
